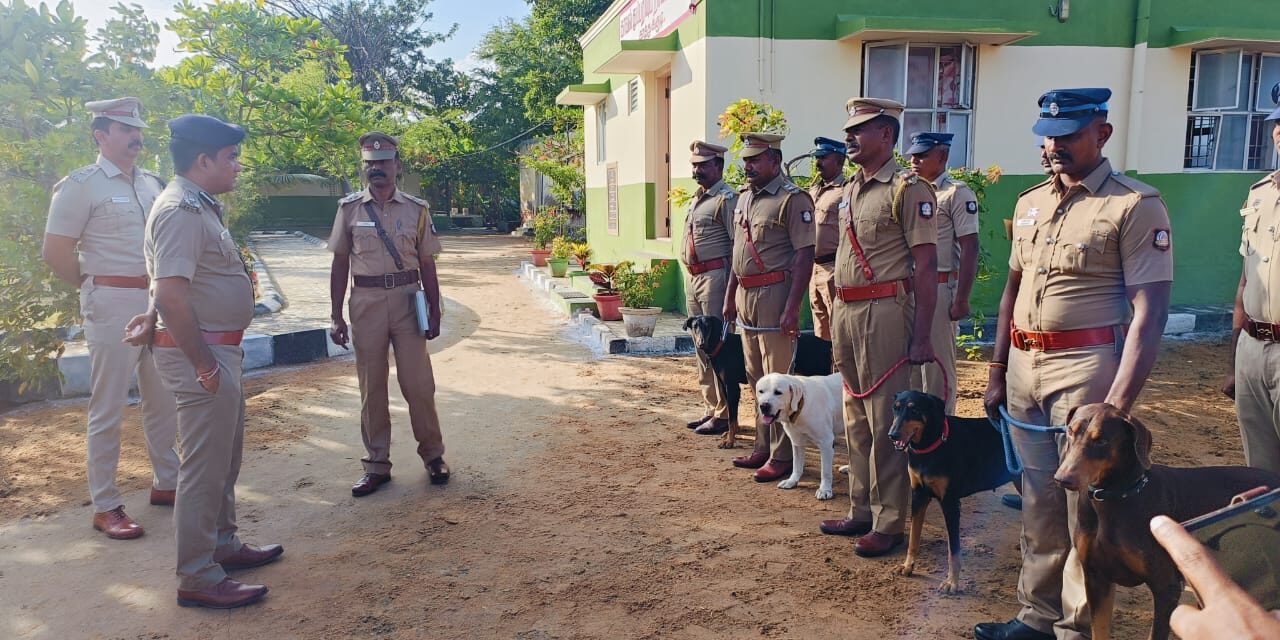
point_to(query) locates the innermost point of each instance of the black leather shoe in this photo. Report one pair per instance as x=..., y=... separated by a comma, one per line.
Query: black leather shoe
x=694, y=424
x=1011, y=630
x=369, y=483
x=845, y=527
x=1011, y=500
x=438, y=471
x=713, y=427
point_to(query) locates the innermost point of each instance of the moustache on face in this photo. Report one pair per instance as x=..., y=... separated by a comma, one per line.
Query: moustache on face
x=136, y=144
x=377, y=174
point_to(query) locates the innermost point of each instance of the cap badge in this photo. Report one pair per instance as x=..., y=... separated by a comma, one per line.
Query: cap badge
x=377, y=144
x=1053, y=109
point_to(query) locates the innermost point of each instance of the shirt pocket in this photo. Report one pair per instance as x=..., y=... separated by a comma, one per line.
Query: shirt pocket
x=407, y=244
x=1250, y=220
x=1024, y=244
x=109, y=218
x=866, y=229
x=365, y=241
x=229, y=252
x=1088, y=251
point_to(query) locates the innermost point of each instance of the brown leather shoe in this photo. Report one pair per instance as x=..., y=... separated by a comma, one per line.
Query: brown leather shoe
x=753, y=461
x=713, y=427
x=876, y=544
x=438, y=471
x=844, y=527
x=369, y=483
x=694, y=424
x=163, y=497
x=227, y=594
x=772, y=471
x=250, y=556
x=117, y=525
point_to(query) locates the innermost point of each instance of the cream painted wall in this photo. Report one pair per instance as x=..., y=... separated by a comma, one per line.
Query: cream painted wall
x=688, y=98
x=1163, y=119
x=1011, y=79
x=625, y=136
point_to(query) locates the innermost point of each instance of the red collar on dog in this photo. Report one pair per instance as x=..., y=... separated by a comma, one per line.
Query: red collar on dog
x=716, y=350
x=946, y=433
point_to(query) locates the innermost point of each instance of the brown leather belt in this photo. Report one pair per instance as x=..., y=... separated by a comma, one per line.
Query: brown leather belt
x=824, y=259
x=1056, y=340
x=946, y=276
x=1264, y=331
x=164, y=339
x=122, y=282
x=703, y=267
x=872, y=291
x=387, y=280
x=762, y=279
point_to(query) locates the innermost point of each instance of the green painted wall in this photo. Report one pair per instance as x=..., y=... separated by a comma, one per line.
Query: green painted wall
x=1226, y=15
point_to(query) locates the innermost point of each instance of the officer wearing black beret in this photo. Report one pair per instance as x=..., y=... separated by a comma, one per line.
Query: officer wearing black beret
x=825, y=190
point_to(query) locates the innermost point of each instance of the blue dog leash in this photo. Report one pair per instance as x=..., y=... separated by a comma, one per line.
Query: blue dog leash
x=1011, y=460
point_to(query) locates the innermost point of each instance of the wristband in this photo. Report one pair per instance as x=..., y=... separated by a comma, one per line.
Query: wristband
x=208, y=375
x=998, y=365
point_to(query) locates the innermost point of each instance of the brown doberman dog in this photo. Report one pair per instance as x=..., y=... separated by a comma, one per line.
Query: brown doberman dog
x=1107, y=460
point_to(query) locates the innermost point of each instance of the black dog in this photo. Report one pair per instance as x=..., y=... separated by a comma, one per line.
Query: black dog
x=948, y=458
x=724, y=351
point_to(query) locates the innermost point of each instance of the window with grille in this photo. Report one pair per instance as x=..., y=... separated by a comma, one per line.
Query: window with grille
x=934, y=81
x=1229, y=95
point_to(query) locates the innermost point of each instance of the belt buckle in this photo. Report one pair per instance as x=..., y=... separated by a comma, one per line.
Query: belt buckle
x=1265, y=332
x=388, y=281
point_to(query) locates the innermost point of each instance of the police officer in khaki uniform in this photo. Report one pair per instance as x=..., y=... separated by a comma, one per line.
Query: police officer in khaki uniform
x=888, y=223
x=708, y=246
x=205, y=302
x=772, y=264
x=93, y=241
x=1089, y=244
x=369, y=225
x=827, y=192
x=957, y=256
x=1254, y=383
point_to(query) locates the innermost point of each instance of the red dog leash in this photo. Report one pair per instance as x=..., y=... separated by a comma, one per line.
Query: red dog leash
x=946, y=384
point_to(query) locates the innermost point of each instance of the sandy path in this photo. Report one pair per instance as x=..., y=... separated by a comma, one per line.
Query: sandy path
x=578, y=508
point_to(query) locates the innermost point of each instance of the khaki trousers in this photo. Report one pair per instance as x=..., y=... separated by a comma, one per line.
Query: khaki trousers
x=944, y=347
x=112, y=364
x=1257, y=391
x=869, y=338
x=704, y=296
x=1043, y=387
x=211, y=438
x=822, y=293
x=766, y=352
x=382, y=318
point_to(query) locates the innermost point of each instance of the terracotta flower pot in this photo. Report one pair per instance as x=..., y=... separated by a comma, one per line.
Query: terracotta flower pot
x=640, y=321
x=540, y=257
x=608, y=305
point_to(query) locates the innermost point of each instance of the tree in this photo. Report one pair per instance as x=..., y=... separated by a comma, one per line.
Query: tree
x=128, y=40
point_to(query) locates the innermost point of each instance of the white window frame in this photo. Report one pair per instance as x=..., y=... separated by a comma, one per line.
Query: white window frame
x=1251, y=111
x=968, y=85
x=602, y=121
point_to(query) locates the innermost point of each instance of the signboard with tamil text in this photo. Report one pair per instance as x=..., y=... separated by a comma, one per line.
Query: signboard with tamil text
x=645, y=19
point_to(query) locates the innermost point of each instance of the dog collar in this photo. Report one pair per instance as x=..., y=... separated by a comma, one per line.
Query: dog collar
x=724, y=335
x=1102, y=495
x=946, y=433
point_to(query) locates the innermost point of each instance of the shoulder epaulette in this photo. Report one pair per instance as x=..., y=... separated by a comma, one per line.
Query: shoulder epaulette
x=728, y=192
x=1036, y=186
x=350, y=197
x=418, y=200
x=163, y=183
x=190, y=201
x=1137, y=186
x=908, y=177
x=1266, y=180
x=83, y=173
x=791, y=186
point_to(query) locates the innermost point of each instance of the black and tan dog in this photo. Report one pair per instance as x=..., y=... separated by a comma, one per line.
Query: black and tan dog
x=948, y=458
x=724, y=351
x=1107, y=461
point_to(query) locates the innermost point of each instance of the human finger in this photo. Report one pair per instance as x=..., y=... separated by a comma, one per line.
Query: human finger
x=1199, y=568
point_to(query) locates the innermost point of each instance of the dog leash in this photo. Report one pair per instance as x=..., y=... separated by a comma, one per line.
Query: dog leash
x=1011, y=460
x=946, y=383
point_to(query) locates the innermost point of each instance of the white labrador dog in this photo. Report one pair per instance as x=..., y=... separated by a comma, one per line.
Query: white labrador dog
x=810, y=409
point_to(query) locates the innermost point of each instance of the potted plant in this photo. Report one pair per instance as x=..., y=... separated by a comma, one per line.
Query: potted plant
x=546, y=226
x=605, y=278
x=582, y=254
x=637, y=288
x=561, y=251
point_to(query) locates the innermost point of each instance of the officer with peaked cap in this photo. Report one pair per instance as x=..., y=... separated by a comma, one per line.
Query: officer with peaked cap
x=1090, y=273
x=957, y=257
x=708, y=246
x=384, y=240
x=885, y=282
x=826, y=191
x=1253, y=382
x=93, y=241
x=772, y=264
x=204, y=303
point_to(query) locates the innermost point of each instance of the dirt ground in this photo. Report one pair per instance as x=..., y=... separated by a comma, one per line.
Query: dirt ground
x=580, y=506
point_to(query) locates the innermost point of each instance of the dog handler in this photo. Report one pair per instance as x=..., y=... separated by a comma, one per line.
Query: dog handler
x=1088, y=243
x=708, y=246
x=888, y=229
x=826, y=191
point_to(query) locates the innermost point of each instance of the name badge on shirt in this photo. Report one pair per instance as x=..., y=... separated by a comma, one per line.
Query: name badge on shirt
x=120, y=199
x=1026, y=222
x=364, y=223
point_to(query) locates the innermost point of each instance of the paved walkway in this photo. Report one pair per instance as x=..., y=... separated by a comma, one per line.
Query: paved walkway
x=299, y=264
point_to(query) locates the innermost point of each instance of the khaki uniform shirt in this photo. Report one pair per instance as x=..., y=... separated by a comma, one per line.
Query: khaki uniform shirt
x=1259, y=241
x=1079, y=248
x=186, y=239
x=107, y=211
x=778, y=220
x=709, y=231
x=406, y=222
x=957, y=218
x=826, y=211
x=886, y=242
